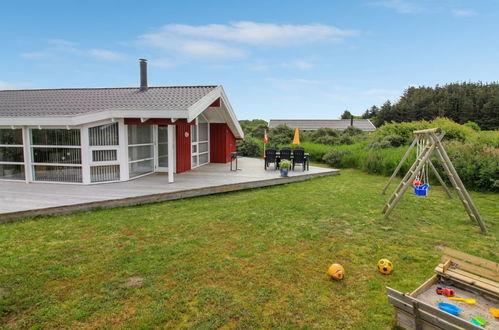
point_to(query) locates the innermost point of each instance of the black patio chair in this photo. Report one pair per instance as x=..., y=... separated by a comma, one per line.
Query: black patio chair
x=285, y=153
x=270, y=158
x=299, y=158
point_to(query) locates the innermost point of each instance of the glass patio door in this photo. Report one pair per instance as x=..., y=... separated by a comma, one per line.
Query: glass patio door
x=162, y=163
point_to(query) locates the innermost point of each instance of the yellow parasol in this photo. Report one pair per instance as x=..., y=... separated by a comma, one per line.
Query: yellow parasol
x=296, y=139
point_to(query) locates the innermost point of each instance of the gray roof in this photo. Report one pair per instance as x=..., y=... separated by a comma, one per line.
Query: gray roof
x=77, y=101
x=315, y=124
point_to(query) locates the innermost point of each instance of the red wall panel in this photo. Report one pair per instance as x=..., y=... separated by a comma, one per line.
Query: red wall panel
x=222, y=143
x=183, y=147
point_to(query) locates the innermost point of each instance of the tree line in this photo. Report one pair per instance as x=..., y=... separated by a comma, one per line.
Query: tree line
x=461, y=102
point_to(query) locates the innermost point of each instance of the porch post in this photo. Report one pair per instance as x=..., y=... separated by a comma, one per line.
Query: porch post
x=171, y=153
x=85, y=155
x=123, y=148
x=28, y=177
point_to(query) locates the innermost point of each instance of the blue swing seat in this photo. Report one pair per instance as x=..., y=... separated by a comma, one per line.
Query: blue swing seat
x=421, y=190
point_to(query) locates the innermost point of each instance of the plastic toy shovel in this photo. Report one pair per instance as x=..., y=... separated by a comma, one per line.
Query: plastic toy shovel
x=468, y=301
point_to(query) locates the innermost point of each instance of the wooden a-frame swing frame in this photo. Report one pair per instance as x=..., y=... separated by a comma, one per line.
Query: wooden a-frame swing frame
x=435, y=146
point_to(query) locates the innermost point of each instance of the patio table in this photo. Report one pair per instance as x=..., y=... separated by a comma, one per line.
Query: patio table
x=306, y=156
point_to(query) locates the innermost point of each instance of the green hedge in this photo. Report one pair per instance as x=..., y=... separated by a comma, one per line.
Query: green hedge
x=475, y=154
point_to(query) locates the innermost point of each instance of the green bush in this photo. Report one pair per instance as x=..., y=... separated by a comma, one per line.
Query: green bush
x=253, y=128
x=328, y=140
x=323, y=132
x=352, y=131
x=453, y=131
x=387, y=142
x=475, y=154
x=334, y=156
x=473, y=125
x=346, y=139
x=281, y=134
x=477, y=165
x=249, y=147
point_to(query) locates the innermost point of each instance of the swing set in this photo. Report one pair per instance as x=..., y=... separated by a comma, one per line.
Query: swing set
x=428, y=143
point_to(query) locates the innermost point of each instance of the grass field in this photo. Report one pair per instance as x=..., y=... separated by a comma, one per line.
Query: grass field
x=251, y=259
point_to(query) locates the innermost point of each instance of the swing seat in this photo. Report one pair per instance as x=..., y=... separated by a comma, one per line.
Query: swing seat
x=421, y=190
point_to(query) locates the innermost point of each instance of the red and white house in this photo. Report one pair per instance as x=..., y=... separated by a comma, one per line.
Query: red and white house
x=96, y=135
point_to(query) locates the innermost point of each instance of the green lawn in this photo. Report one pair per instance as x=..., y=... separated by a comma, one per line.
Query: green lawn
x=241, y=260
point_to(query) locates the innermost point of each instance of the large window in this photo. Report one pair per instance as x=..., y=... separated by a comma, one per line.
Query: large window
x=56, y=155
x=104, y=148
x=163, y=146
x=140, y=150
x=11, y=154
x=200, y=142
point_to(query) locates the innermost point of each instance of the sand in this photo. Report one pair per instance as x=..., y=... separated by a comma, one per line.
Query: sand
x=481, y=308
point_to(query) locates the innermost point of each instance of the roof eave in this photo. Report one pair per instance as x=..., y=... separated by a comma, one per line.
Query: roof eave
x=197, y=108
x=92, y=117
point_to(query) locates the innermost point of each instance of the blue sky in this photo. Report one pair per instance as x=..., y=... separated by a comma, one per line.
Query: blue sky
x=275, y=59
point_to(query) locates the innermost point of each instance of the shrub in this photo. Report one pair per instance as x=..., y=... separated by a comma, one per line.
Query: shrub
x=472, y=125
x=394, y=140
x=249, y=147
x=328, y=140
x=379, y=144
x=281, y=134
x=346, y=139
x=254, y=128
x=323, y=132
x=387, y=142
x=453, y=131
x=352, y=131
x=334, y=157
x=477, y=165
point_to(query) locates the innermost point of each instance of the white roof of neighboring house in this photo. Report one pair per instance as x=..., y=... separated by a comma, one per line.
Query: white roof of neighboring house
x=315, y=124
x=76, y=106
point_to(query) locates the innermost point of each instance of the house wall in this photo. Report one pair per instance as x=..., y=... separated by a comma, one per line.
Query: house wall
x=183, y=147
x=222, y=143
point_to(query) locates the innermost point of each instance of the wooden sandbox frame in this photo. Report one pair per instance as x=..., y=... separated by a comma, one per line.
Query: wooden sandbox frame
x=458, y=269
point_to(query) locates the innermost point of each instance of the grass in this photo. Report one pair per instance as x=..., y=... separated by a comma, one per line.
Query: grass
x=251, y=259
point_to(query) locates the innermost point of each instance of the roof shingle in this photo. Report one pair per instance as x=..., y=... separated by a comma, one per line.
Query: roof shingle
x=77, y=101
x=315, y=124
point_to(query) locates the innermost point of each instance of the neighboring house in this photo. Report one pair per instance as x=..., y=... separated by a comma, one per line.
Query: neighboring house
x=94, y=135
x=315, y=124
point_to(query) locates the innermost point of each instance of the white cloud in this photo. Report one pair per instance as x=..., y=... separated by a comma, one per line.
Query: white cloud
x=7, y=85
x=463, y=12
x=260, y=33
x=401, y=6
x=298, y=64
x=107, y=55
x=58, y=48
x=229, y=41
x=163, y=63
x=36, y=55
x=200, y=48
x=259, y=67
x=63, y=46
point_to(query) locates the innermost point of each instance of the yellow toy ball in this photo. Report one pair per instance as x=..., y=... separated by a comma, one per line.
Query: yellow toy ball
x=385, y=266
x=336, y=271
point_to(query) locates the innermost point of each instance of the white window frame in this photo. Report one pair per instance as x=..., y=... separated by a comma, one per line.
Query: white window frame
x=32, y=164
x=196, y=143
x=153, y=158
x=15, y=163
x=90, y=149
x=157, y=168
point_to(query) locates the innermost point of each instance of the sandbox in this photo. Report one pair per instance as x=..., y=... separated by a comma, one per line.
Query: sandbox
x=469, y=277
